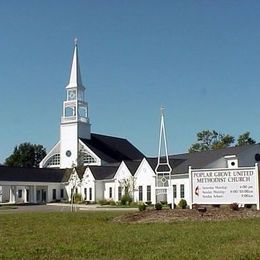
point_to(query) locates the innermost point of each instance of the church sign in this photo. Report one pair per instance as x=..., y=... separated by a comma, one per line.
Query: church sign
x=225, y=186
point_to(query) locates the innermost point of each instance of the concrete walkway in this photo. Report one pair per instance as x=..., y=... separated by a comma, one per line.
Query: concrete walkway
x=91, y=207
x=58, y=207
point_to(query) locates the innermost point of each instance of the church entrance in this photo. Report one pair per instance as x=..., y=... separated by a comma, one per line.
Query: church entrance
x=161, y=195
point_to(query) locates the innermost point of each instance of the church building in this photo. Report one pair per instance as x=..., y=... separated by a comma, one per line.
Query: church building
x=100, y=167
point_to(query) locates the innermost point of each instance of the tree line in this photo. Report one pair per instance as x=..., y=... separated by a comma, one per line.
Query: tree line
x=211, y=140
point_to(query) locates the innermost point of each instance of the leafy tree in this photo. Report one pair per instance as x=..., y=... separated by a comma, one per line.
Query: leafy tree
x=245, y=139
x=209, y=140
x=26, y=155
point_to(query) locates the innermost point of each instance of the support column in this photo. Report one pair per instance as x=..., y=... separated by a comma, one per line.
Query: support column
x=25, y=195
x=12, y=196
x=34, y=200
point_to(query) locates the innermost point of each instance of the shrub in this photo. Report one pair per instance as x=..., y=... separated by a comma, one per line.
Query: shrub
x=148, y=203
x=134, y=204
x=233, y=206
x=112, y=203
x=77, y=198
x=142, y=207
x=216, y=205
x=126, y=199
x=248, y=206
x=103, y=202
x=158, y=206
x=164, y=202
x=182, y=204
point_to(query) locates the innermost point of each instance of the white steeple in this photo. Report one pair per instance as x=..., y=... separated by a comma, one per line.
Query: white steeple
x=75, y=122
x=75, y=76
x=163, y=168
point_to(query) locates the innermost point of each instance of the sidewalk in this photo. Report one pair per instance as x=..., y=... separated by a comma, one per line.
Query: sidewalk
x=91, y=207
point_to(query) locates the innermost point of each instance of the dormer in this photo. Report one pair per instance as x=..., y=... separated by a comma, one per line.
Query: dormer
x=231, y=161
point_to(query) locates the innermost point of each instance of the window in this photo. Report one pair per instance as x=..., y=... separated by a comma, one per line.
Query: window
x=54, y=194
x=110, y=192
x=20, y=194
x=85, y=193
x=140, y=193
x=87, y=158
x=148, y=193
x=119, y=193
x=62, y=193
x=174, y=187
x=54, y=160
x=182, y=191
x=90, y=193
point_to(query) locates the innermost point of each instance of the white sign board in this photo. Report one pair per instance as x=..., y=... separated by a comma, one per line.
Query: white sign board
x=225, y=186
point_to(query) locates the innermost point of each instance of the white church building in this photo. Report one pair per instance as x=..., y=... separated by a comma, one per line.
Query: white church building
x=102, y=167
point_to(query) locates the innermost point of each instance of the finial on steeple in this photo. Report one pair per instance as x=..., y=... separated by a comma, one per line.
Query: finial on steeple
x=76, y=41
x=162, y=110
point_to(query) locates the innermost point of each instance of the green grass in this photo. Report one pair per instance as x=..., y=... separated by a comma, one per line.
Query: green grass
x=92, y=235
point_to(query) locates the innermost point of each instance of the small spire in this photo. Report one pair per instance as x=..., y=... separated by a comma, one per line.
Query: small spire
x=162, y=110
x=76, y=41
x=75, y=75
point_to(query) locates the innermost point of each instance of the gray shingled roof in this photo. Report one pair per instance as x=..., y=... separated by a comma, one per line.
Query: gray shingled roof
x=132, y=165
x=202, y=159
x=112, y=149
x=103, y=172
x=31, y=174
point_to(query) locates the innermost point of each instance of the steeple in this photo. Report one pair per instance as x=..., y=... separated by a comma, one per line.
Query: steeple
x=75, y=76
x=75, y=123
x=163, y=168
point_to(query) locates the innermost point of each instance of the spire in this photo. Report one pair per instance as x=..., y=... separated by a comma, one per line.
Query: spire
x=163, y=165
x=75, y=76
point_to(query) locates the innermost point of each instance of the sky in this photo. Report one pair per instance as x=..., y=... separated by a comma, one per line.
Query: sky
x=200, y=60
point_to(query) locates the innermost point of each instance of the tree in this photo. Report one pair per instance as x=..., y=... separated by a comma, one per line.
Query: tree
x=26, y=155
x=209, y=140
x=245, y=139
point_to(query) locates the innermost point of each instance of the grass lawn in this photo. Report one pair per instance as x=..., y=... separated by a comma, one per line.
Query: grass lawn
x=92, y=235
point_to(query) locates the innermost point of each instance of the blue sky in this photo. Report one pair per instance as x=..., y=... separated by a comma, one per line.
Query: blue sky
x=199, y=59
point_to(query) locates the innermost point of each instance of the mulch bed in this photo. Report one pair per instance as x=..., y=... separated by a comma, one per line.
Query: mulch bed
x=167, y=215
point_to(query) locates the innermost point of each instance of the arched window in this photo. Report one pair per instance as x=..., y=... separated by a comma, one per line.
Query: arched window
x=88, y=159
x=54, y=160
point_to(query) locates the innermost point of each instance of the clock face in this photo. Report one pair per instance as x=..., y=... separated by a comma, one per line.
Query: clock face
x=72, y=94
x=68, y=153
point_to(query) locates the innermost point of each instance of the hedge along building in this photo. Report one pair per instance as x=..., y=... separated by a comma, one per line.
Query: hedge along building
x=113, y=166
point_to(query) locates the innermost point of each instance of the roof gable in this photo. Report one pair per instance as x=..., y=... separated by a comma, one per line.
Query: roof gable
x=103, y=172
x=112, y=149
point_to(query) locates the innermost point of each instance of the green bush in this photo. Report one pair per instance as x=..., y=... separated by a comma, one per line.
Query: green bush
x=158, y=206
x=126, y=199
x=142, y=207
x=103, y=202
x=148, y=203
x=77, y=198
x=112, y=203
x=182, y=204
x=134, y=204
x=164, y=202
